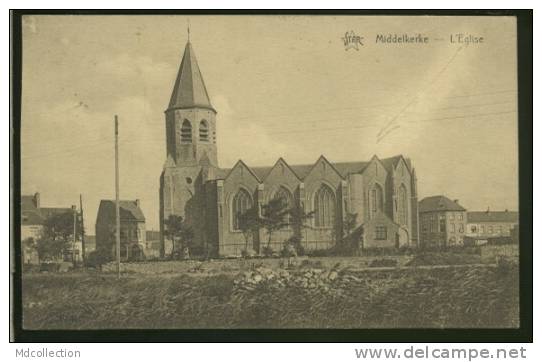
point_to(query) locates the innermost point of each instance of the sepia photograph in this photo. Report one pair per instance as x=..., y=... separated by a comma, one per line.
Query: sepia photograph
x=251, y=171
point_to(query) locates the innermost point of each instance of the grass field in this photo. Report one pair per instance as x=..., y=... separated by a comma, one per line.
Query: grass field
x=451, y=297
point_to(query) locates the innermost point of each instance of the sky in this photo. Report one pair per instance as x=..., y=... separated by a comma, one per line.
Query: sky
x=282, y=86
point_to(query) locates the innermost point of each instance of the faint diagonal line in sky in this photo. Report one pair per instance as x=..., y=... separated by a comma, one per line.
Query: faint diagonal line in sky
x=381, y=134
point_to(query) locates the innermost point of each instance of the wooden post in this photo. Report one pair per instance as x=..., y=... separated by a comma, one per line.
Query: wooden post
x=117, y=209
x=74, y=209
x=82, y=228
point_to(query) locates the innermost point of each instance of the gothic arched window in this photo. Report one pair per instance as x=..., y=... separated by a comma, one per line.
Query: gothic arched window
x=241, y=203
x=186, y=132
x=283, y=194
x=402, y=205
x=376, y=200
x=203, y=131
x=324, y=207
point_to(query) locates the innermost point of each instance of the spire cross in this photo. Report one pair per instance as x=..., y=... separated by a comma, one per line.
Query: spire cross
x=188, y=28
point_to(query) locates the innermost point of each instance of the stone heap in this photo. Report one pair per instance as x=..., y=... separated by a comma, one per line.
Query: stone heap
x=319, y=279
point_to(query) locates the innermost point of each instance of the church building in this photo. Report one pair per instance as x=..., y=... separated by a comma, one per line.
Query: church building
x=381, y=192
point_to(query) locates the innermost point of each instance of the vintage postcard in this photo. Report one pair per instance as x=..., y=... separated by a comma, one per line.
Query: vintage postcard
x=277, y=171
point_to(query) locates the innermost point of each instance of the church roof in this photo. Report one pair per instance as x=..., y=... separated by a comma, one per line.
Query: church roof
x=189, y=90
x=302, y=171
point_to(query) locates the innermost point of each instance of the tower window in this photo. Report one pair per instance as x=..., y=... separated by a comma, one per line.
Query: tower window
x=186, y=132
x=203, y=131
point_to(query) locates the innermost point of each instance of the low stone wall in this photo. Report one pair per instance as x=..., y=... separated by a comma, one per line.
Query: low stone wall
x=237, y=265
x=494, y=251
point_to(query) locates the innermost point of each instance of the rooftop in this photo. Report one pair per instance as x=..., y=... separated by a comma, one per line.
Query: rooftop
x=439, y=203
x=493, y=216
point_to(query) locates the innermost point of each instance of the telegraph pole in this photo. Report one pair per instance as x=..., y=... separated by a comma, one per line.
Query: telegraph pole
x=74, y=209
x=82, y=228
x=117, y=210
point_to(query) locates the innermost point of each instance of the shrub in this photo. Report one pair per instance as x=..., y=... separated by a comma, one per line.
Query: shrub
x=288, y=250
x=295, y=241
x=267, y=251
x=96, y=258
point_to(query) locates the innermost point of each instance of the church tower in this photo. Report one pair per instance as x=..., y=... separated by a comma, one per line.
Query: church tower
x=191, y=153
x=190, y=117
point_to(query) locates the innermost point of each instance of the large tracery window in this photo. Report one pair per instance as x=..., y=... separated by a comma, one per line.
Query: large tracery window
x=186, y=132
x=241, y=203
x=286, y=197
x=324, y=207
x=376, y=200
x=402, y=205
x=203, y=131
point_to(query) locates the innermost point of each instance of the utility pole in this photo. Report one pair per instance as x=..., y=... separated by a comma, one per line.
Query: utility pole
x=82, y=228
x=74, y=209
x=117, y=209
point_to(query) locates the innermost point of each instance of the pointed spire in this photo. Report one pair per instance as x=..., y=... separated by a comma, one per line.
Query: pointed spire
x=189, y=90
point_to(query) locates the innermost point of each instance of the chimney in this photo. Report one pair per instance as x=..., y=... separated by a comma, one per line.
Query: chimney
x=137, y=202
x=37, y=200
x=456, y=200
x=487, y=211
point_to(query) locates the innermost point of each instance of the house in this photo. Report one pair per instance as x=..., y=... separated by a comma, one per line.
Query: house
x=381, y=192
x=33, y=218
x=491, y=226
x=152, y=248
x=90, y=243
x=132, y=229
x=442, y=222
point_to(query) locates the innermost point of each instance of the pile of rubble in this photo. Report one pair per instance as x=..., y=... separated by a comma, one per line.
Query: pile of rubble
x=318, y=279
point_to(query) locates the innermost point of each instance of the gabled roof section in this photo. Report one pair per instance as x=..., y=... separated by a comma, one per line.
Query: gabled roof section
x=493, y=216
x=189, y=90
x=129, y=210
x=439, y=203
x=266, y=171
x=373, y=160
x=325, y=160
x=392, y=162
x=240, y=163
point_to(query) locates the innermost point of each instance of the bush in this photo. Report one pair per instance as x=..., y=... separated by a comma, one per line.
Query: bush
x=268, y=252
x=295, y=241
x=288, y=250
x=96, y=258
